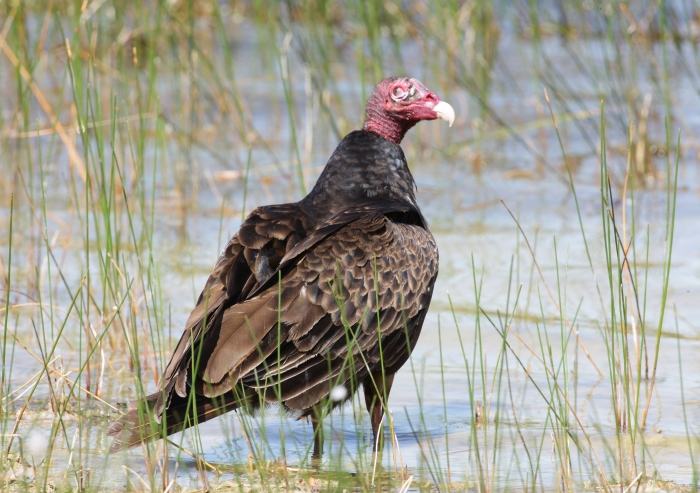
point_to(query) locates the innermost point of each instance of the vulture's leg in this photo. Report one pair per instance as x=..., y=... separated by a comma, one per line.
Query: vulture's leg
x=376, y=394
x=317, y=424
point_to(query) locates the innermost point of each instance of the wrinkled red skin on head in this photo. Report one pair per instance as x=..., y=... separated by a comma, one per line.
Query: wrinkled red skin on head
x=391, y=117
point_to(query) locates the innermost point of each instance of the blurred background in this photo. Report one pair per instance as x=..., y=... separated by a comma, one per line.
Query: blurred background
x=561, y=348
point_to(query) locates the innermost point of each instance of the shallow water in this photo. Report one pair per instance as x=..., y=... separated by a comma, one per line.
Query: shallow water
x=469, y=177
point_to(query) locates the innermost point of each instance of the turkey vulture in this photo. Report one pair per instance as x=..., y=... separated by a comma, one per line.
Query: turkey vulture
x=308, y=296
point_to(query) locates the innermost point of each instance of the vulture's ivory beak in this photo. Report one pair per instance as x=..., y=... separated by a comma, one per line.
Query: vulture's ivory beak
x=445, y=112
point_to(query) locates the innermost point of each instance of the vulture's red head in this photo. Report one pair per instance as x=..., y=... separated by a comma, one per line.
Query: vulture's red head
x=398, y=103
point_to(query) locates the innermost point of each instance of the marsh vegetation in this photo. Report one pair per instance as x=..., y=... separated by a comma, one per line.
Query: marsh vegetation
x=561, y=348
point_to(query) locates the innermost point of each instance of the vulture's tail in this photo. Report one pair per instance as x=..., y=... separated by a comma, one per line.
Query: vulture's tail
x=138, y=425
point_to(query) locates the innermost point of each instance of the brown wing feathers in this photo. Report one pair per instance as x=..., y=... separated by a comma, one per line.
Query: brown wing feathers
x=315, y=315
x=317, y=322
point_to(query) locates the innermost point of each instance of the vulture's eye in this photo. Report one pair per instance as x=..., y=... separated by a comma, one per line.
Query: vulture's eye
x=400, y=94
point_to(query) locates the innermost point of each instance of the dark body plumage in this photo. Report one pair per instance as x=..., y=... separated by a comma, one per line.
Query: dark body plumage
x=331, y=290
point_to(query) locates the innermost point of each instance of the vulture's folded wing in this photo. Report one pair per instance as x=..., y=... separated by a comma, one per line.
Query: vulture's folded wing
x=347, y=305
